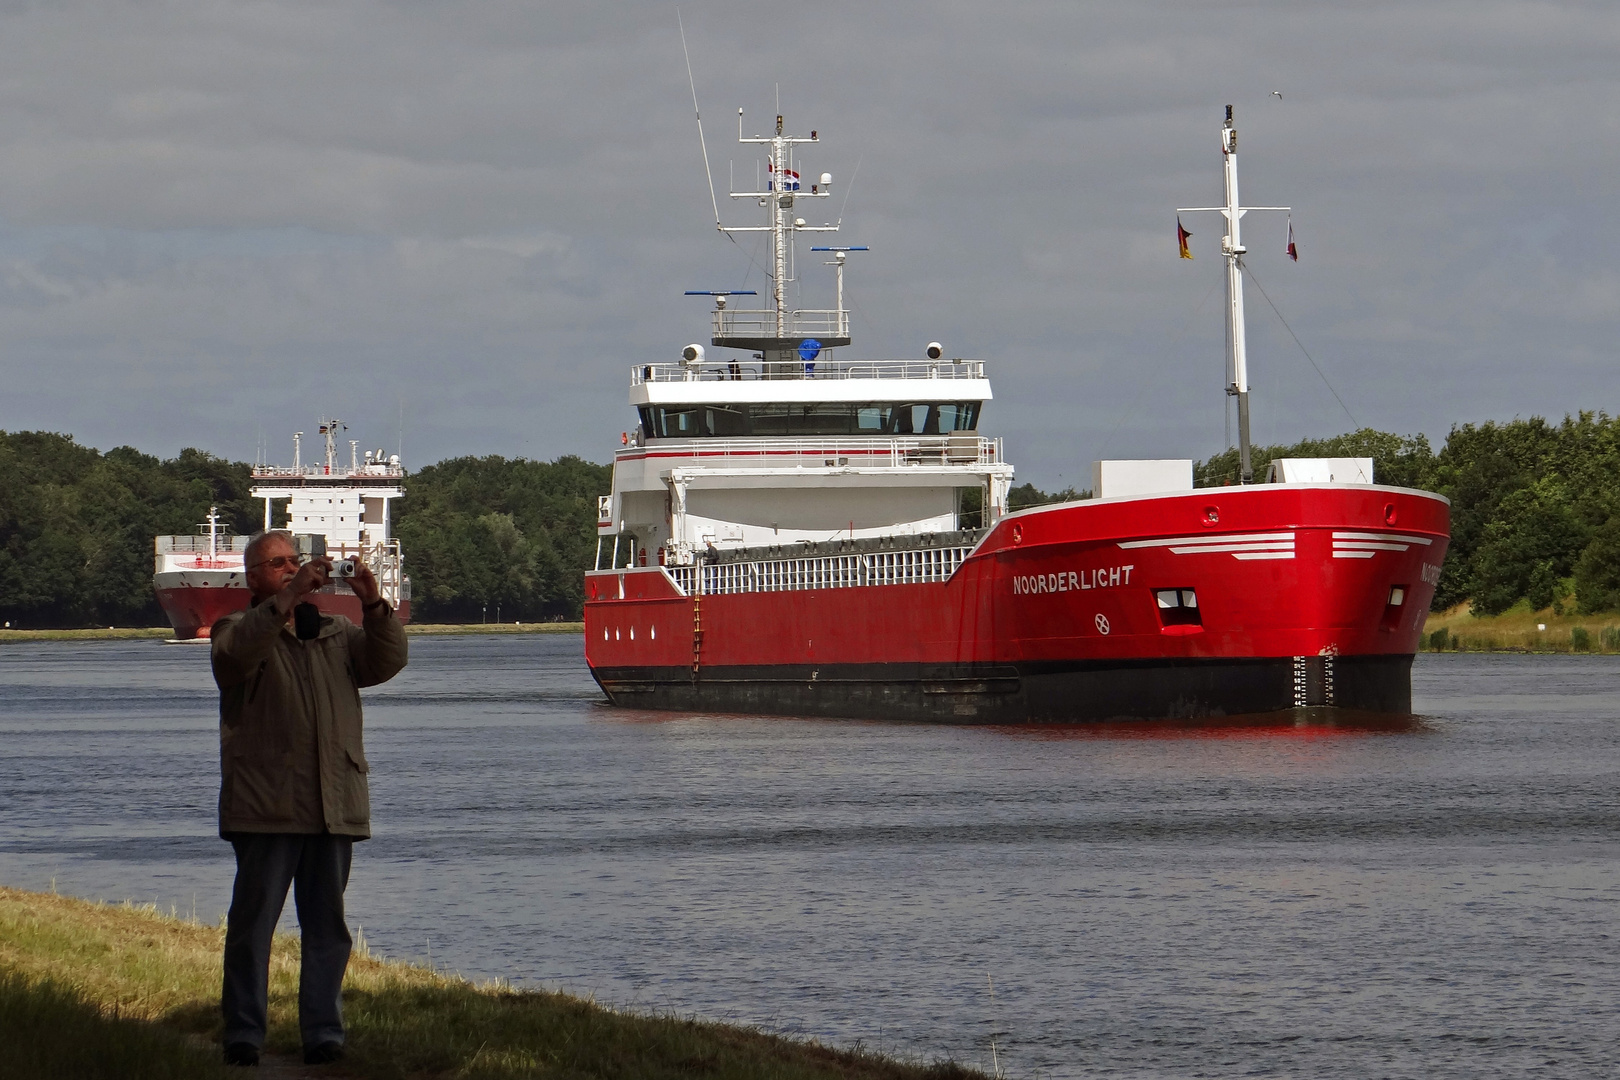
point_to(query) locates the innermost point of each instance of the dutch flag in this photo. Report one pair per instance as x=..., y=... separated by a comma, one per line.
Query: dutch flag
x=789, y=179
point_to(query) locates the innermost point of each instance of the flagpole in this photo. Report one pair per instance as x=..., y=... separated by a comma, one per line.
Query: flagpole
x=1237, y=345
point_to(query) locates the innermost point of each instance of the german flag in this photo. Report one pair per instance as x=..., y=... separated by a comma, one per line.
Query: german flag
x=1182, y=235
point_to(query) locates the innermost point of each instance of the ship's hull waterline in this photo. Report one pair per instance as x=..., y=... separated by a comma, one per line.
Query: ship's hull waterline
x=1302, y=596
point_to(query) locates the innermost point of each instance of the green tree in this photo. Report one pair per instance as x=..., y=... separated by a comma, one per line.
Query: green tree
x=1529, y=545
x=481, y=533
x=1597, y=571
x=1398, y=460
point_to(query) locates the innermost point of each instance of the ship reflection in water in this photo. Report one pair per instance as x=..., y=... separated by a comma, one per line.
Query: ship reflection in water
x=1254, y=896
x=1293, y=723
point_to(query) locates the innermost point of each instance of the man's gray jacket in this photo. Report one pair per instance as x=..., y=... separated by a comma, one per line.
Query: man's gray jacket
x=291, y=755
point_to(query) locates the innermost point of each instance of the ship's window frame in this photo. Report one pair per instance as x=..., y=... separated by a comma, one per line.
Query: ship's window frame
x=794, y=419
x=1178, y=606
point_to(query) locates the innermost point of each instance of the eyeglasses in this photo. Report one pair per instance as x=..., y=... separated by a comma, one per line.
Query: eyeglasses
x=281, y=562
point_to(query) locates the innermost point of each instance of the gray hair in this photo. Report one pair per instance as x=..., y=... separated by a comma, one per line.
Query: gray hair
x=258, y=540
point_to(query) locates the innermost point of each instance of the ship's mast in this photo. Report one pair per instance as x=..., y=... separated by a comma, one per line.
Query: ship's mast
x=1237, y=339
x=1232, y=249
x=212, y=525
x=782, y=193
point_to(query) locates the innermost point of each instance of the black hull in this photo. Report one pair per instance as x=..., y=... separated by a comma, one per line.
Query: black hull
x=1035, y=693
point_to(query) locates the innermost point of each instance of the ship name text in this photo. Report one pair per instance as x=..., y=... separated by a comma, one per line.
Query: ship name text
x=1103, y=577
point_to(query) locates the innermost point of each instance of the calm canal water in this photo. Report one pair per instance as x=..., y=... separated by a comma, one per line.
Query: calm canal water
x=1434, y=900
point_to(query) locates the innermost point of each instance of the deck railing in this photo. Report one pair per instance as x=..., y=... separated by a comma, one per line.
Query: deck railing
x=754, y=324
x=963, y=448
x=365, y=472
x=914, y=567
x=165, y=544
x=727, y=371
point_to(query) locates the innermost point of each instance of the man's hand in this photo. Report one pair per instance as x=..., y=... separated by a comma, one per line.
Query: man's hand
x=311, y=576
x=364, y=584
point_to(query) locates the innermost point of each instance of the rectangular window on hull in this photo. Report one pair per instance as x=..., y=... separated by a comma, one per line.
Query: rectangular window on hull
x=1178, y=607
x=809, y=418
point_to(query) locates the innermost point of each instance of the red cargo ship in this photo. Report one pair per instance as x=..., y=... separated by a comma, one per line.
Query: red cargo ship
x=200, y=579
x=793, y=534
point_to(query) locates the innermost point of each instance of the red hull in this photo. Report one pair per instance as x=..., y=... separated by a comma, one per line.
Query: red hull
x=1054, y=617
x=194, y=611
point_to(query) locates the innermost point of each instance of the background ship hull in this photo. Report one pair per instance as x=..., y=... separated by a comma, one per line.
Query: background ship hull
x=1054, y=619
x=193, y=609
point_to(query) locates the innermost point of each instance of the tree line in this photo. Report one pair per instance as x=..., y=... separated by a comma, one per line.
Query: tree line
x=1535, y=519
x=76, y=529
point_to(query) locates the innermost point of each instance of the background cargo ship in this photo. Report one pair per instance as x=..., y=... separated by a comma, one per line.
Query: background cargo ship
x=795, y=534
x=200, y=578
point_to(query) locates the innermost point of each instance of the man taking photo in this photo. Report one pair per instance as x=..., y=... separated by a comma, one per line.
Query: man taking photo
x=293, y=795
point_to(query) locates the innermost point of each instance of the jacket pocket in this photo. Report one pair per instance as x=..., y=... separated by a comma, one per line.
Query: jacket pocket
x=357, y=796
x=258, y=677
x=258, y=792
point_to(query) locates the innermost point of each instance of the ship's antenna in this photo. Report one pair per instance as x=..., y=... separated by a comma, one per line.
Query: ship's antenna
x=705, y=146
x=849, y=186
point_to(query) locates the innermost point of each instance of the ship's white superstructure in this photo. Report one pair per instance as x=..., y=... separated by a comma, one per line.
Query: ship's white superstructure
x=789, y=445
x=348, y=504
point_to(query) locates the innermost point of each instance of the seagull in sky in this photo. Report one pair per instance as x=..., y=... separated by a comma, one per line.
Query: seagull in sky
x=1277, y=94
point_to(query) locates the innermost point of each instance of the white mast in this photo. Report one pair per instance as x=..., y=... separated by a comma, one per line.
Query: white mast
x=212, y=525
x=1237, y=353
x=780, y=195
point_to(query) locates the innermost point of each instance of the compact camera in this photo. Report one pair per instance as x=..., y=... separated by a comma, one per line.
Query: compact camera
x=342, y=568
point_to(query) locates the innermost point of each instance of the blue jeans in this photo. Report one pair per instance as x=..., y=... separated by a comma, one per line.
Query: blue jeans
x=316, y=865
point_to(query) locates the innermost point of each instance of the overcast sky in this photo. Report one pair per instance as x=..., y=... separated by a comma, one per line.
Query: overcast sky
x=220, y=221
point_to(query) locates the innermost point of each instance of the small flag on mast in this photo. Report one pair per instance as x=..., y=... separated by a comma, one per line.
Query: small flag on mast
x=1182, y=236
x=1293, y=252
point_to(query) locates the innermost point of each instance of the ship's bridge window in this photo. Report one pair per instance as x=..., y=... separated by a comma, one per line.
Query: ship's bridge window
x=809, y=418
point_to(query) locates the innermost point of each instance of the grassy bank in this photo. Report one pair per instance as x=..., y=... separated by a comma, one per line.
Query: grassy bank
x=94, y=633
x=1516, y=630
x=93, y=990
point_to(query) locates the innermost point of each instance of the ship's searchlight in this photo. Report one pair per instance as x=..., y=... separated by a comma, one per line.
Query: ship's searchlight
x=692, y=354
x=935, y=350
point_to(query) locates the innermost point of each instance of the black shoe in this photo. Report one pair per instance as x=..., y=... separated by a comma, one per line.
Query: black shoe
x=324, y=1054
x=241, y=1053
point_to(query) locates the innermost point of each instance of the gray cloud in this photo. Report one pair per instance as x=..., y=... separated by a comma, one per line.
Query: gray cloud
x=222, y=219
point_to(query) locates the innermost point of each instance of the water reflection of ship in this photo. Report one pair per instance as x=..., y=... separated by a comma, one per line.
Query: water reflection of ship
x=200, y=578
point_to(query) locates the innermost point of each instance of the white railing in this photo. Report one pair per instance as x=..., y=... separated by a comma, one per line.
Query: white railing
x=725, y=371
x=364, y=472
x=960, y=449
x=918, y=566
x=198, y=544
x=796, y=324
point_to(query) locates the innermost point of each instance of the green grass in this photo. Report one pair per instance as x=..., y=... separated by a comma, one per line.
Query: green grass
x=94, y=633
x=121, y=989
x=1518, y=630
x=51, y=1029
